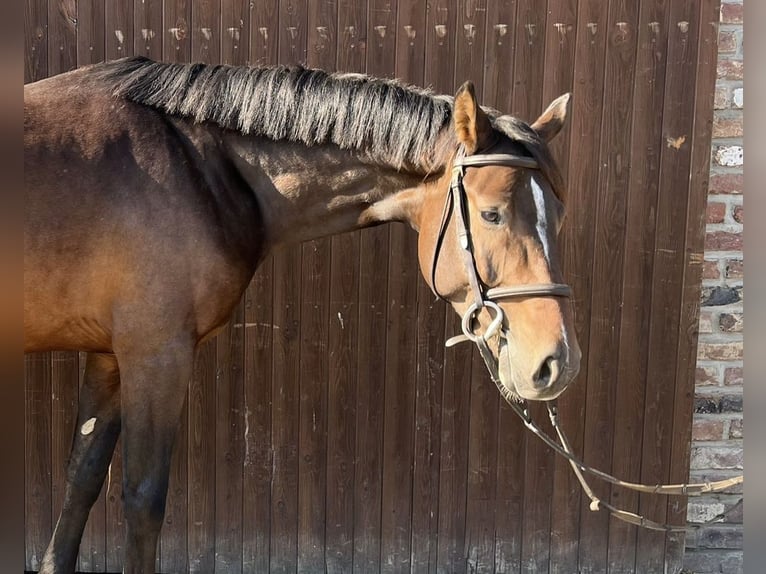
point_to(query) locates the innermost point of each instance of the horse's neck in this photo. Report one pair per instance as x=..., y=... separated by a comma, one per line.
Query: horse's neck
x=311, y=192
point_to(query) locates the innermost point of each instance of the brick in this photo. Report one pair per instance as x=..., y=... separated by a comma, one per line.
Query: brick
x=722, y=98
x=723, y=241
x=736, y=429
x=727, y=41
x=726, y=183
x=720, y=295
x=738, y=213
x=712, y=562
x=730, y=69
x=723, y=536
x=727, y=127
x=730, y=322
x=731, y=13
x=733, y=376
x=715, y=212
x=734, y=268
x=708, y=404
x=706, y=376
x=700, y=510
x=710, y=270
x=729, y=155
x=720, y=457
x=729, y=351
x=706, y=322
x=738, y=98
x=707, y=429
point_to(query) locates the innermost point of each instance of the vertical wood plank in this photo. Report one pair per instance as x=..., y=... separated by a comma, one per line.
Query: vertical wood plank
x=341, y=408
x=692, y=281
x=37, y=471
x=201, y=461
x=62, y=36
x=119, y=29
x=371, y=358
x=229, y=447
x=312, y=453
x=256, y=495
x=35, y=40
x=235, y=32
x=147, y=30
x=499, y=54
x=667, y=279
x=206, y=31
x=91, y=29
x=264, y=33
x=285, y=412
x=642, y=189
x=176, y=32
x=606, y=290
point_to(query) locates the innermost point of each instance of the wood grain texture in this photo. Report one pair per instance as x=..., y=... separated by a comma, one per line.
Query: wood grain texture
x=693, y=260
x=667, y=277
x=642, y=192
x=327, y=428
x=37, y=469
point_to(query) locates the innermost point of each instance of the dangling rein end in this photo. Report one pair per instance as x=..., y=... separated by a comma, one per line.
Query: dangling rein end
x=578, y=467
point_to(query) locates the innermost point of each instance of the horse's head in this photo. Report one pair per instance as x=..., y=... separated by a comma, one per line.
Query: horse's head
x=489, y=245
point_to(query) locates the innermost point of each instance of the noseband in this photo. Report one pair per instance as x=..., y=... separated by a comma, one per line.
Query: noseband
x=456, y=202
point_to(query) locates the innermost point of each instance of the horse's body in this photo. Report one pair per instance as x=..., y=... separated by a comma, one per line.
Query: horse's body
x=145, y=226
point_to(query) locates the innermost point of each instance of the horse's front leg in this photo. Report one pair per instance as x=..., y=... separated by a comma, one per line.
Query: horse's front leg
x=153, y=390
x=98, y=426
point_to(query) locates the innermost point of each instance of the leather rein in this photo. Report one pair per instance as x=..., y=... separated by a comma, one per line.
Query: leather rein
x=456, y=204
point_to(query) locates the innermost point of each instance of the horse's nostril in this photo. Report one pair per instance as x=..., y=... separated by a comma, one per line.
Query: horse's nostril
x=547, y=373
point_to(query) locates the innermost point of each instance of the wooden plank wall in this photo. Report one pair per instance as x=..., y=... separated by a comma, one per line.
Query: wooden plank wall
x=327, y=428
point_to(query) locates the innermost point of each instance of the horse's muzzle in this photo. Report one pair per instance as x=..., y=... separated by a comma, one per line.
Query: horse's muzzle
x=543, y=380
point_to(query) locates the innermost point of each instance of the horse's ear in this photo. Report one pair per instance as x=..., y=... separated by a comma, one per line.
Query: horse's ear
x=553, y=118
x=472, y=125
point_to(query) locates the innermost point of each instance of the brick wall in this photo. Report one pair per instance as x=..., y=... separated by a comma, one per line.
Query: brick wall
x=717, y=433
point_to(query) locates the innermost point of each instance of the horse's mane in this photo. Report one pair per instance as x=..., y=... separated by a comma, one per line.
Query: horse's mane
x=391, y=123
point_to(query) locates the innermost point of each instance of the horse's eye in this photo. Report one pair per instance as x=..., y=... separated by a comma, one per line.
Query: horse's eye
x=491, y=216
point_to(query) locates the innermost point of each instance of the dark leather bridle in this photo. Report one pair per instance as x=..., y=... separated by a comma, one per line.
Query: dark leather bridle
x=456, y=202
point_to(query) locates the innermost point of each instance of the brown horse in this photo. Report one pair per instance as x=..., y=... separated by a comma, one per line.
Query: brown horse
x=154, y=190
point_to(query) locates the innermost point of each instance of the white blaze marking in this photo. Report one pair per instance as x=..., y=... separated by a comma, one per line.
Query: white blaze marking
x=87, y=426
x=542, y=220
